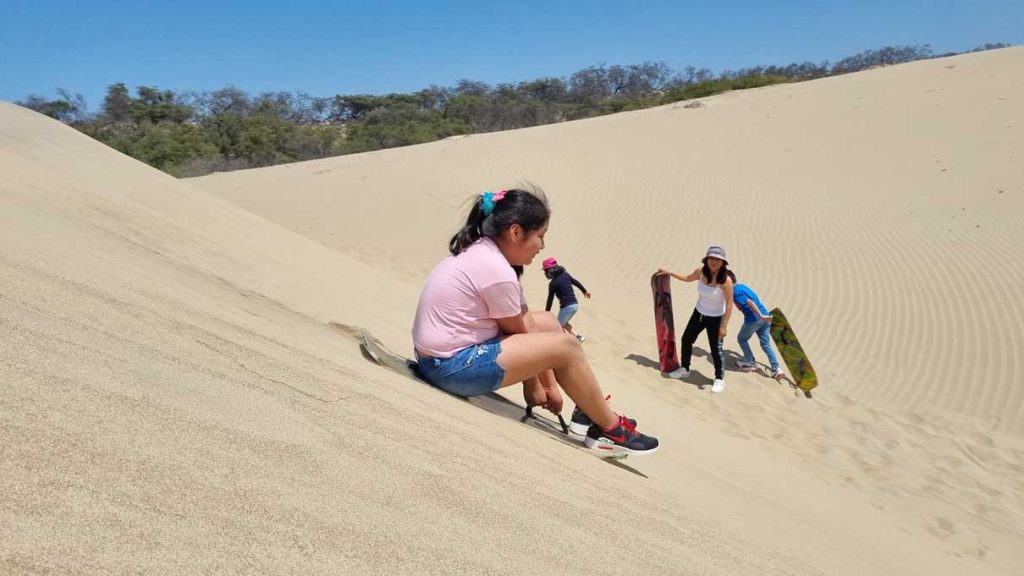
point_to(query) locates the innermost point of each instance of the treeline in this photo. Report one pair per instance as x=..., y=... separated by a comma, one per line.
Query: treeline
x=190, y=134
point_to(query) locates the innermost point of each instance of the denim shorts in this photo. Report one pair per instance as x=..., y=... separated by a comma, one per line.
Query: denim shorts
x=565, y=314
x=472, y=371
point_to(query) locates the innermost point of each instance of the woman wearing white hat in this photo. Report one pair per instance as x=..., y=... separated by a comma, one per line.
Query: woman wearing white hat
x=714, y=307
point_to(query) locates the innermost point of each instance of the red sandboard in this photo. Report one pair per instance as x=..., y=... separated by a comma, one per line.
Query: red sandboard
x=665, y=327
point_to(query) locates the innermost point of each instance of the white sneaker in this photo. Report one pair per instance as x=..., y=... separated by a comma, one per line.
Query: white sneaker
x=778, y=374
x=718, y=386
x=746, y=366
x=581, y=338
x=679, y=373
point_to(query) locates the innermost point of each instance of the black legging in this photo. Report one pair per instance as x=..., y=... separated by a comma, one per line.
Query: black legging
x=697, y=323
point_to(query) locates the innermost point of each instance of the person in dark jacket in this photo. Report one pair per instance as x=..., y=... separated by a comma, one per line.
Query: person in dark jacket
x=560, y=284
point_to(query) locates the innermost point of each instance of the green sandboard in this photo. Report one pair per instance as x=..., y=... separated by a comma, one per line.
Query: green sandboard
x=793, y=353
x=493, y=403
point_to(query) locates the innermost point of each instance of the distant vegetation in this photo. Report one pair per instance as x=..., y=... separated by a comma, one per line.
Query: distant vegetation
x=190, y=134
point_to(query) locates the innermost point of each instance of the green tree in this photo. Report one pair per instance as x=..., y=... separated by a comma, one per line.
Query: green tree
x=400, y=126
x=264, y=138
x=155, y=106
x=116, y=103
x=165, y=146
x=68, y=108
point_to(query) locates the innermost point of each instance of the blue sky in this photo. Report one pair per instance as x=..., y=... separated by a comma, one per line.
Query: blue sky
x=344, y=47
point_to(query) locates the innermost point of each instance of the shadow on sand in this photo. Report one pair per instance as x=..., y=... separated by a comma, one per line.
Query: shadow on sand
x=699, y=380
x=696, y=377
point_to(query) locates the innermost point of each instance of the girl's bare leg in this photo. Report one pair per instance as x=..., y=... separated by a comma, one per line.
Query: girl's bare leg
x=534, y=388
x=526, y=355
x=545, y=322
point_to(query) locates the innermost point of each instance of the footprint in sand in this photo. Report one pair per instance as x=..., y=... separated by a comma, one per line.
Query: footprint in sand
x=942, y=527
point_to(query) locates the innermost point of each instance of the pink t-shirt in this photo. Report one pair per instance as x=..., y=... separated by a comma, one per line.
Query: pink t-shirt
x=462, y=298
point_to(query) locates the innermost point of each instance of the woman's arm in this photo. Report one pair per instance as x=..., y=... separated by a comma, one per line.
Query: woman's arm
x=551, y=297
x=727, y=291
x=685, y=278
x=514, y=324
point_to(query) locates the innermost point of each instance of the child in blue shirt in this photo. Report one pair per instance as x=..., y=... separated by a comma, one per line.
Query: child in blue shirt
x=755, y=320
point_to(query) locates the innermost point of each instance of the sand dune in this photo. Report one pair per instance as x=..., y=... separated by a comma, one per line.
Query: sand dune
x=177, y=399
x=872, y=207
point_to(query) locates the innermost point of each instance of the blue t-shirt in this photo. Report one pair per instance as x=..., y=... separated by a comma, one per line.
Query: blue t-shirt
x=741, y=293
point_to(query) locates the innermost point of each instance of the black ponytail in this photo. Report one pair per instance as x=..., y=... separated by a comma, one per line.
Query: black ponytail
x=527, y=207
x=469, y=233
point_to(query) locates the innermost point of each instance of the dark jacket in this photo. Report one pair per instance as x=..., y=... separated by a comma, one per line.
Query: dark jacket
x=561, y=285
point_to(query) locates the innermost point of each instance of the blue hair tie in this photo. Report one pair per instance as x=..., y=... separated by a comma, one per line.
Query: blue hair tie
x=487, y=206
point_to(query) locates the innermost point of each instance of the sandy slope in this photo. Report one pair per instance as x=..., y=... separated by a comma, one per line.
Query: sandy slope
x=874, y=208
x=175, y=398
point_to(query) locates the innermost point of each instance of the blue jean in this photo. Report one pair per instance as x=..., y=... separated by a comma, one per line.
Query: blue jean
x=763, y=330
x=565, y=314
x=472, y=371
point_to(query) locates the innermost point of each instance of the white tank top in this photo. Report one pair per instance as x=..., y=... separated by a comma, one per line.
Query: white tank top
x=710, y=300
